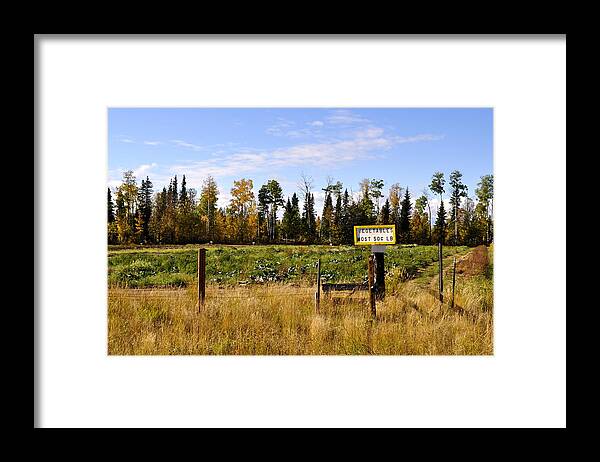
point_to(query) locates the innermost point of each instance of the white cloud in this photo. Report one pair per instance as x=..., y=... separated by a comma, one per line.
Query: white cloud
x=143, y=169
x=185, y=144
x=126, y=140
x=115, y=176
x=417, y=138
x=367, y=144
x=152, y=143
x=315, y=123
x=280, y=127
x=345, y=117
x=371, y=132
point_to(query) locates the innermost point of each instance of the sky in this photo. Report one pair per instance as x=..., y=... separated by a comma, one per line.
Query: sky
x=398, y=145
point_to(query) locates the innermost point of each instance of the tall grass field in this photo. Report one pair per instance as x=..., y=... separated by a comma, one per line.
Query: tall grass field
x=260, y=301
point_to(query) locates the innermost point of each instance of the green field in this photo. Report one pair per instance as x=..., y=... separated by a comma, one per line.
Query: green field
x=176, y=266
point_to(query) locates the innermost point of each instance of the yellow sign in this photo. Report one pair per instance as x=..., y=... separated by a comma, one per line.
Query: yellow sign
x=375, y=235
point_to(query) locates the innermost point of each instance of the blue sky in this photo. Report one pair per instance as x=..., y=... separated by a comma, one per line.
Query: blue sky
x=403, y=145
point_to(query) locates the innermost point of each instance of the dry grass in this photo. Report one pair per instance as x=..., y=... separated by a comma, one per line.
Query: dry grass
x=281, y=320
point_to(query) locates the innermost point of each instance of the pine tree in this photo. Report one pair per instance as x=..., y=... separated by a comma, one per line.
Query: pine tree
x=144, y=211
x=174, y=193
x=459, y=190
x=312, y=216
x=440, y=224
x=111, y=225
x=111, y=210
x=345, y=225
x=405, y=213
x=286, y=220
x=384, y=215
x=263, y=211
x=183, y=195
x=296, y=219
x=309, y=218
x=485, y=196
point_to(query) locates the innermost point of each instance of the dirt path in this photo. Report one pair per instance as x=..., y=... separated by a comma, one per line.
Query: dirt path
x=471, y=264
x=474, y=263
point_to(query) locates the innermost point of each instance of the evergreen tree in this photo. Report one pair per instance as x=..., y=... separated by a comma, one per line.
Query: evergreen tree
x=263, y=211
x=459, y=190
x=405, y=213
x=183, y=195
x=384, y=216
x=286, y=220
x=111, y=210
x=440, y=224
x=427, y=202
x=346, y=219
x=187, y=217
x=174, y=193
x=312, y=216
x=296, y=221
x=485, y=196
x=144, y=211
x=309, y=218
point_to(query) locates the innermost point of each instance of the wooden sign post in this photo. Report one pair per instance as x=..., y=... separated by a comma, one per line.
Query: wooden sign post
x=378, y=237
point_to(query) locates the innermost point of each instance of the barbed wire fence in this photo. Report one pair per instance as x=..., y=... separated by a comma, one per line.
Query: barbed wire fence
x=350, y=290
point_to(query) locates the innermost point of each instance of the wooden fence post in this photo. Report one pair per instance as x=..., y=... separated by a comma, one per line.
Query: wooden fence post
x=318, y=292
x=372, y=285
x=453, y=278
x=201, y=277
x=441, y=272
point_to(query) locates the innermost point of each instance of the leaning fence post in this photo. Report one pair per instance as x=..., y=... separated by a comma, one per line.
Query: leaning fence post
x=201, y=277
x=453, y=278
x=318, y=292
x=441, y=272
x=372, y=285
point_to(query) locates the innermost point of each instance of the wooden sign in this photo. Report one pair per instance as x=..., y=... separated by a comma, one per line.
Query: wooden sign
x=375, y=235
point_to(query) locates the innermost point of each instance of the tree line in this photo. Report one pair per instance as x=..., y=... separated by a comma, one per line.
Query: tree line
x=180, y=215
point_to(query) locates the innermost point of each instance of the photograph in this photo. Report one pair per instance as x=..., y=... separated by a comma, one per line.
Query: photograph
x=300, y=231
